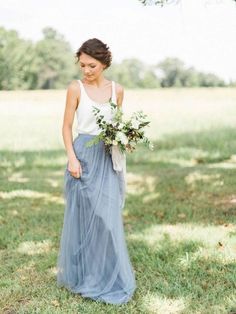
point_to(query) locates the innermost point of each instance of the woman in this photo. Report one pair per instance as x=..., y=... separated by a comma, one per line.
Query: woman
x=93, y=258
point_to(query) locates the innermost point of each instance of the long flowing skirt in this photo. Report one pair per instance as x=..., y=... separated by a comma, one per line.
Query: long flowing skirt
x=93, y=259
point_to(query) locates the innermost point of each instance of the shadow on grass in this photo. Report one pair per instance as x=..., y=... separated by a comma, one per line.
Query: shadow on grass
x=170, y=272
x=170, y=279
x=171, y=184
x=189, y=178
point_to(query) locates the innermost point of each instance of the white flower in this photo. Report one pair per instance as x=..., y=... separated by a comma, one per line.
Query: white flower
x=120, y=136
x=114, y=142
x=120, y=126
x=135, y=123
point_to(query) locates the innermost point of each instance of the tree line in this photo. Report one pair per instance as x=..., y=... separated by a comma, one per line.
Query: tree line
x=49, y=64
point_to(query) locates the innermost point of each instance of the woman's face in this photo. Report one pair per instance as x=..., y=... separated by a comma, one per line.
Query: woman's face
x=90, y=67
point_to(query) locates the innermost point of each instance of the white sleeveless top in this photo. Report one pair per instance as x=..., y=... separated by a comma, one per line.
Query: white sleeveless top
x=86, y=119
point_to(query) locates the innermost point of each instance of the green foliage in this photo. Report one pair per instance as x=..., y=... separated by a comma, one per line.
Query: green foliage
x=25, y=65
x=126, y=133
x=175, y=74
x=16, y=61
x=49, y=64
x=55, y=67
x=132, y=73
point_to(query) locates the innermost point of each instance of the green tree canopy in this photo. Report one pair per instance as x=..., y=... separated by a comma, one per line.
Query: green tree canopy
x=54, y=62
x=50, y=63
x=16, y=58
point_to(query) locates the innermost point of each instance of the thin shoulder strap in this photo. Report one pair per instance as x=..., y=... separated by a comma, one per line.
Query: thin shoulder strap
x=113, y=92
x=83, y=94
x=81, y=86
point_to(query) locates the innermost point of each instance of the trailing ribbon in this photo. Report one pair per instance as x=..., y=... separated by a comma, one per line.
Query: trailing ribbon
x=118, y=158
x=119, y=165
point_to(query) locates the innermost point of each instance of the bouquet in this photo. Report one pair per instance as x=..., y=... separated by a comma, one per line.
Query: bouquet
x=119, y=135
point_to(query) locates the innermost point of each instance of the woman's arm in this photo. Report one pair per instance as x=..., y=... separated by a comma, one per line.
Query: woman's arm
x=120, y=94
x=71, y=104
x=72, y=100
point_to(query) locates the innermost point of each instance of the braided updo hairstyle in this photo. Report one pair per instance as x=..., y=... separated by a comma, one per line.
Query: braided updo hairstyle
x=97, y=50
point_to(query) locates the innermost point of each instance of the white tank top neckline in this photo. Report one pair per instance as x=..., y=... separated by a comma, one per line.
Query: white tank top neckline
x=105, y=103
x=86, y=120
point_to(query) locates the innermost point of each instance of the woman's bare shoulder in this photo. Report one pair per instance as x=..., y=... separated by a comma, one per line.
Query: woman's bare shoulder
x=119, y=89
x=73, y=93
x=74, y=87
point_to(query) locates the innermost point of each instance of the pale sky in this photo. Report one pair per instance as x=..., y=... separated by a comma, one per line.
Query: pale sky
x=202, y=33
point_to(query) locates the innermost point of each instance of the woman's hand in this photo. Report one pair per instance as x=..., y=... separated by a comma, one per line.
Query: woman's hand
x=74, y=167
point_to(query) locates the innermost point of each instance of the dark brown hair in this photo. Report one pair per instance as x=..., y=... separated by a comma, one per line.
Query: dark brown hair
x=97, y=50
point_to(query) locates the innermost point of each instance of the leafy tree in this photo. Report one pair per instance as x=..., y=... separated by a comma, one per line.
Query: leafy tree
x=210, y=80
x=175, y=74
x=133, y=73
x=16, y=57
x=54, y=62
x=171, y=69
x=149, y=80
x=24, y=65
x=49, y=64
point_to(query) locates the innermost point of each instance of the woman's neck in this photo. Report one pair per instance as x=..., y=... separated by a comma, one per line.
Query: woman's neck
x=98, y=82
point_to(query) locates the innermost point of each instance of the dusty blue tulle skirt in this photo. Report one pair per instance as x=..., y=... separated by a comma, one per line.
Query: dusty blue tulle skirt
x=93, y=259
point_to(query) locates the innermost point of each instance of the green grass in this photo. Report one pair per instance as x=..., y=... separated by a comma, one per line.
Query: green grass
x=179, y=223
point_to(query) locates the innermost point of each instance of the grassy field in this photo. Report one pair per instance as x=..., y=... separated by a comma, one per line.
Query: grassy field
x=179, y=217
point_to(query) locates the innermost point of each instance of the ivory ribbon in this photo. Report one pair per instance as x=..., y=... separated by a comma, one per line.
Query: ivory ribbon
x=119, y=164
x=118, y=158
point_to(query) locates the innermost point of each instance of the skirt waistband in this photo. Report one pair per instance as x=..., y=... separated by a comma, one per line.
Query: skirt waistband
x=86, y=134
